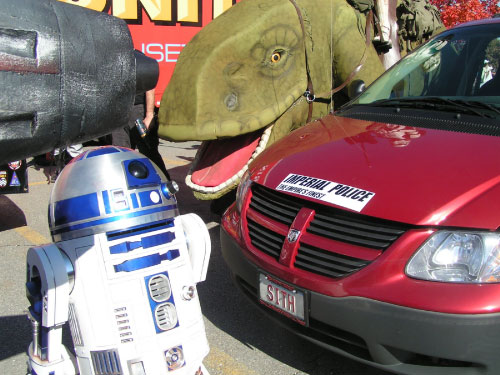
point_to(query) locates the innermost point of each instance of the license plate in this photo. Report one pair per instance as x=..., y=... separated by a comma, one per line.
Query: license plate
x=282, y=297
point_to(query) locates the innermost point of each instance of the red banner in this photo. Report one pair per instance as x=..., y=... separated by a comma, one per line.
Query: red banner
x=161, y=28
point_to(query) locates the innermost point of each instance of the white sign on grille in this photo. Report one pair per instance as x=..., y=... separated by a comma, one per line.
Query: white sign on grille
x=333, y=192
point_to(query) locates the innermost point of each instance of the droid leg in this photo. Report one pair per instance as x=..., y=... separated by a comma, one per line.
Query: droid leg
x=47, y=283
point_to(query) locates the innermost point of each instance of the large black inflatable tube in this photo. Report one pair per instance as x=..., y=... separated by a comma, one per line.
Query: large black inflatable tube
x=67, y=74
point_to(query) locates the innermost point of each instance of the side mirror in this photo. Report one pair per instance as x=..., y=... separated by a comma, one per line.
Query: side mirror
x=356, y=88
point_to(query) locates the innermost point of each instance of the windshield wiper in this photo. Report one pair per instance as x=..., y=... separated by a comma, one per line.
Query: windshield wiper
x=438, y=103
x=478, y=104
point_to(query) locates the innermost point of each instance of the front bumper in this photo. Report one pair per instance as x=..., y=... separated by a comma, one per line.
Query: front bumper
x=391, y=337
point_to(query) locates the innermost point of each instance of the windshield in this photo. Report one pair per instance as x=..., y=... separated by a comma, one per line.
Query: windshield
x=457, y=67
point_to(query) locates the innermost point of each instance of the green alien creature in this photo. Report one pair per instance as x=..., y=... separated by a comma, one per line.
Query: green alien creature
x=260, y=70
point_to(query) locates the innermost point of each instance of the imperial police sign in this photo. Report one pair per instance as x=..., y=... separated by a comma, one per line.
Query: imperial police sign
x=333, y=192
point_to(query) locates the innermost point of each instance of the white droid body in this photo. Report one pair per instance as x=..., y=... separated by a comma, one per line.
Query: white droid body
x=123, y=272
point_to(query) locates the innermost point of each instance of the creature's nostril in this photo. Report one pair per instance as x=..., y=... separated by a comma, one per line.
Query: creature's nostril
x=231, y=101
x=232, y=68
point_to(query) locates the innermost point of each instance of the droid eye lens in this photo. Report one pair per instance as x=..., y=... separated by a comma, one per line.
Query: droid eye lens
x=138, y=169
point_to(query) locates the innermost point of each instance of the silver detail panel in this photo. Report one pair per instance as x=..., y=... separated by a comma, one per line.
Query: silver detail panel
x=159, y=288
x=166, y=316
x=106, y=362
x=74, y=326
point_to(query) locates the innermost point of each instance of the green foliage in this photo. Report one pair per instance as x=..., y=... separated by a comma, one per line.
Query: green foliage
x=493, y=53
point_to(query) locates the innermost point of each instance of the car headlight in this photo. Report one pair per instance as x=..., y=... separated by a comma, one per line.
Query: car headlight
x=458, y=257
x=242, y=190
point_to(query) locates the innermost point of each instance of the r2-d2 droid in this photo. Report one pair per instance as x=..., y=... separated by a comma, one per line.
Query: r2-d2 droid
x=122, y=271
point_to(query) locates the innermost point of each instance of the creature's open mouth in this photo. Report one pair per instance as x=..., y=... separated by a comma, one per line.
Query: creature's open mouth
x=219, y=164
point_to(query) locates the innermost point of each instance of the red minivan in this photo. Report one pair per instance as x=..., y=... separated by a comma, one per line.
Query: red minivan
x=374, y=231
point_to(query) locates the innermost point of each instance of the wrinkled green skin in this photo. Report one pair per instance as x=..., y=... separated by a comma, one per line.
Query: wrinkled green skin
x=225, y=83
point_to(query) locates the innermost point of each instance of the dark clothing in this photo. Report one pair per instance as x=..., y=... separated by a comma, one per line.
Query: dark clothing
x=148, y=146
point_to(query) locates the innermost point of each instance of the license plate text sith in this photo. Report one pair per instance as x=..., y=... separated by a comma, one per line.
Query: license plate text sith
x=282, y=298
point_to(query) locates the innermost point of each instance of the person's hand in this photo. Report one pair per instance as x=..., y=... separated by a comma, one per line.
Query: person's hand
x=147, y=120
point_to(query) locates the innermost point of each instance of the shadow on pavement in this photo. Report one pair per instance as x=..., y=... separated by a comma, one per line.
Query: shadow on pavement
x=11, y=216
x=16, y=334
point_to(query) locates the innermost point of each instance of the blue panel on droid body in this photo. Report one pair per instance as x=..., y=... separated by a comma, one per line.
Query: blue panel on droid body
x=108, y=189
x=140, y=172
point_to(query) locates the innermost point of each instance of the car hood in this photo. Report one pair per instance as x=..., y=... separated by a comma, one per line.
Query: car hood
x=406, y=174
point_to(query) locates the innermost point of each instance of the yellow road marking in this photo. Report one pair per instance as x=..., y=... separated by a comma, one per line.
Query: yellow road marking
x=176, y=162
x=212, y=224
x=220, y=362
x=32, y=235
x=38, y=183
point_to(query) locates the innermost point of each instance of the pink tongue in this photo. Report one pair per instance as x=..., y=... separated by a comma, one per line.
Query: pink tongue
x=222, y=159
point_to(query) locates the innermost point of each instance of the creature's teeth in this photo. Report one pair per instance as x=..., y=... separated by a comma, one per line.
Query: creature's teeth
x=263, y=143
x=203, y=189
x=267, y=132
x=263, y=140
x=237, y=175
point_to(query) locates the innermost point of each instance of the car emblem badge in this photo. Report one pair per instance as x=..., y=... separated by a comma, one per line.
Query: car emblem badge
x=293, y=235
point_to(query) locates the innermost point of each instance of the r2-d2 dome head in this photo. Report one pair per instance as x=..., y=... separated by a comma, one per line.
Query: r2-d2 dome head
x=106, y=189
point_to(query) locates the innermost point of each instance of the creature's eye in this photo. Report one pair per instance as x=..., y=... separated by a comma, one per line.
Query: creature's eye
x=276, y=56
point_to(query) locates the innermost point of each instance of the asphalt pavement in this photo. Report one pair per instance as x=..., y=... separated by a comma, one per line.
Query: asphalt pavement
x=242, y=340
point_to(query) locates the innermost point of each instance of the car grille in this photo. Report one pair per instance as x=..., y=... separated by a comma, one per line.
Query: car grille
x=326, y=263
x=329, y=223
x=274, y=205
x=355, y=230
x=265, y=239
